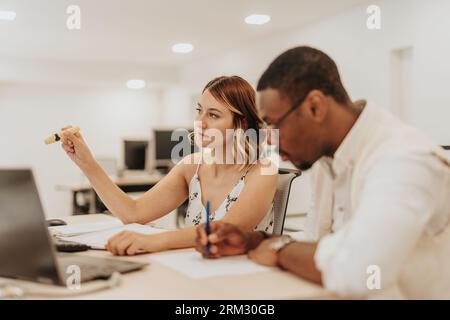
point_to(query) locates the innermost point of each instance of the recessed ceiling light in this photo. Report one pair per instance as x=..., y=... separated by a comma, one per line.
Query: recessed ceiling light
x=257, y=19
x=182, y=48
x=7, y=15
x=135, y=84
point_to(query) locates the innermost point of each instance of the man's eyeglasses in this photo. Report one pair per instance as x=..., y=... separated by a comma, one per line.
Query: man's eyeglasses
x=277, y=123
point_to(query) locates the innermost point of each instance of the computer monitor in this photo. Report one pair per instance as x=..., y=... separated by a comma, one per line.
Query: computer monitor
x=447, y=150
x=166, y=141
x=135, y=154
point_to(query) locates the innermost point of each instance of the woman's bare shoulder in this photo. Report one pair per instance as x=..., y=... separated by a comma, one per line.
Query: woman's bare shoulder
x=264, y=167
x=188, y=165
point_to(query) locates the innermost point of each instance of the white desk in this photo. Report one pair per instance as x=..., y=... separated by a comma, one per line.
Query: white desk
x=157, y=281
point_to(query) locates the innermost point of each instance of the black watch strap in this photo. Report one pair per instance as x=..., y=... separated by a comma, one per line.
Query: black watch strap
x=265, y=234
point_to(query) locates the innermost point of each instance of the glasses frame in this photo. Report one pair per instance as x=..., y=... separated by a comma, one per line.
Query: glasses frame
x=277, y=123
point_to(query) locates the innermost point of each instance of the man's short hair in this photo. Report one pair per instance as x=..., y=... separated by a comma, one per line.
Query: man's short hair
x=300, y=70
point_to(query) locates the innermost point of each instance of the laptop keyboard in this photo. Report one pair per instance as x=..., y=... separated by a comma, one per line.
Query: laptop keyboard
x=68, y=246
x=96, y=268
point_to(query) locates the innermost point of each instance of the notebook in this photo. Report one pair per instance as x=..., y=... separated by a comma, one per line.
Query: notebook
x=82, y=228
x=96, y=235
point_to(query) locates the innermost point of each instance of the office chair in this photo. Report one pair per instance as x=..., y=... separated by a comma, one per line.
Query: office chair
x=280, y=202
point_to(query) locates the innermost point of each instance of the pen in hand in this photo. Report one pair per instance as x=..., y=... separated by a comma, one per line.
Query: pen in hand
x=207, y=227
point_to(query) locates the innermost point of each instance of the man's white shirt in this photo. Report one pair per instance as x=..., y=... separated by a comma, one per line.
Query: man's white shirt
x=383, y=203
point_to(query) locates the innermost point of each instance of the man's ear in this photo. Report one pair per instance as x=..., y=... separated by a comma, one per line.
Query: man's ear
x=316, y=106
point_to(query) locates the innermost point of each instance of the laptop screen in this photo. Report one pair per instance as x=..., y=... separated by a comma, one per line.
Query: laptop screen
x=25, y=247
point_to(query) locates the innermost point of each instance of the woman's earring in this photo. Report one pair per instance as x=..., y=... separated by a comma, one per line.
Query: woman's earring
x=191, y=137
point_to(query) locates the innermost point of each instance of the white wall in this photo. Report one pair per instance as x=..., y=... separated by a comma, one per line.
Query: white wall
x=363, y=57
x=178, y=108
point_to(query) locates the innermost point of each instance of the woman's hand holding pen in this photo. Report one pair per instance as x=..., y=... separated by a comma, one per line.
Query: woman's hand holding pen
x=76, y=148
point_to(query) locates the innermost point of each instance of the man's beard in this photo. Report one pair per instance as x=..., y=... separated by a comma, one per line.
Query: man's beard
x=303, y=166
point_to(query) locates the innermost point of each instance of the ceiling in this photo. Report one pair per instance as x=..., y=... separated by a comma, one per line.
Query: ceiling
x=143, y=31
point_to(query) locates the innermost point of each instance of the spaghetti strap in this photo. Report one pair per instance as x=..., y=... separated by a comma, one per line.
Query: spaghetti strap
x=198, y=165
x=246, y=171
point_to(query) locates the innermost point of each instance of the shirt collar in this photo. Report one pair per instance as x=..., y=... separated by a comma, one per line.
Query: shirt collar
x=349, y=149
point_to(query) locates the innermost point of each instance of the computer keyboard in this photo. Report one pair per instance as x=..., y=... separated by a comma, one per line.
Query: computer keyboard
x=68, y=246
x=97, y=268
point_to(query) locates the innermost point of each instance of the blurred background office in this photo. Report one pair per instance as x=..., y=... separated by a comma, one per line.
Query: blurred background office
x=51, y=76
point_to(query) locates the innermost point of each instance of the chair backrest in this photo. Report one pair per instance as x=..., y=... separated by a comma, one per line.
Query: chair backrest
x=280, y=202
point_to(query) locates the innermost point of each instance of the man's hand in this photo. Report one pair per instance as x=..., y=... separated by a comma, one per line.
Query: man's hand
x=264, y=254
x=225, y=239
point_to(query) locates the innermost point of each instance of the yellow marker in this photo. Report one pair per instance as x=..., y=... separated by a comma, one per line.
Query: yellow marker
x=57, y=136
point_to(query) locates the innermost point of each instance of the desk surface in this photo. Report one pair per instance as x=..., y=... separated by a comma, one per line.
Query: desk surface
x=156, y=281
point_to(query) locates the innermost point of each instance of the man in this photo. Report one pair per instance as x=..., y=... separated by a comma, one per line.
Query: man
x=380, y=225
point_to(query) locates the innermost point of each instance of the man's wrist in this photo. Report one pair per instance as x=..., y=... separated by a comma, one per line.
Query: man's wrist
x=280, y=254
x=278, y=246
x=255, y=238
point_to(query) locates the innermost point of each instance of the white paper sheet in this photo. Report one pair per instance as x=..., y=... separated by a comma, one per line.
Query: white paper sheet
x=82, y=228
x=298, y=236
x=194, y=266
x=99, y=239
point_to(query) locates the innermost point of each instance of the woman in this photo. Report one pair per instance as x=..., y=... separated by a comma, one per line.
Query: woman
x=239, y=192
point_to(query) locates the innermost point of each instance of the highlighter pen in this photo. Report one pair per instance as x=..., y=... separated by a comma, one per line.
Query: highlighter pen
x=207, y=227
x=57, y=136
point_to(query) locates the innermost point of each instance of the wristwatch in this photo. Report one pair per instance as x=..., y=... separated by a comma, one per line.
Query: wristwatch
x=281, y=242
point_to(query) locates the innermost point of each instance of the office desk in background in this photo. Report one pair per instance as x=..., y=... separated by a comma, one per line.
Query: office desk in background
x=85, y=200
x=158, y=281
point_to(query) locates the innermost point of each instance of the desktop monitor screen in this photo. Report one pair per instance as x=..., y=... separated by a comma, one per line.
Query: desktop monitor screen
x=135, y=154
x=164, y=144
x=447, y=149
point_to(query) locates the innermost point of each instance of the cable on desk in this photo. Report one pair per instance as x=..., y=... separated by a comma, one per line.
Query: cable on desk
x=14, y=290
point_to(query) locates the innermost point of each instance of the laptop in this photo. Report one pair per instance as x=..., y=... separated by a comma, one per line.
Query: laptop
x=27, y=251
